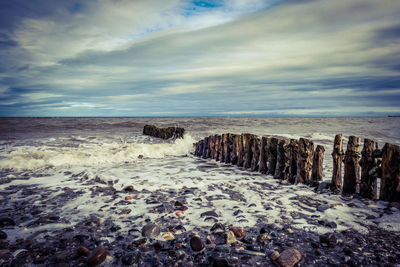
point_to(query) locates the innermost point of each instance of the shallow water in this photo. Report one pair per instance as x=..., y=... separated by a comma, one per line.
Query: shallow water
x=49, y=156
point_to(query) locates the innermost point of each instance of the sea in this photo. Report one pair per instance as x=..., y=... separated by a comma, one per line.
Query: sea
x=77, y=168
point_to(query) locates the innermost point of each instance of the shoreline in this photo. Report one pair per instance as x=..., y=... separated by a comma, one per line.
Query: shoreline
x=270, y=225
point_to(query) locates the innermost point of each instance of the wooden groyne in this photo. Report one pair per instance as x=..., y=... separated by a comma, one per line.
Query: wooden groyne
x=296, y=161
x=284, y=159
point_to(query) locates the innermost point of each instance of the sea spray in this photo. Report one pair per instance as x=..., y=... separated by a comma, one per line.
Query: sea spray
x=92, y=154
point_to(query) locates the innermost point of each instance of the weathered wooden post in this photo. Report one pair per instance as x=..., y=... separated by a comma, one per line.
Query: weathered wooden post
x=235, y=149
x=222, y=148
x=337, y=155
x=217, y=147
x=205, y=148
x=241, y=151
x=214, y=149
x=248, y=155
x=304, y=161
x=255, y=149
x=317, y=166
x=263, y=155
x=272, y=155
x=196, y=148
x=282, y=161
x=228, y=147
x=390, y=181
x=351, y=165
x=200, y=148
x=210, y=146
x=368, y=162
x=294, y=147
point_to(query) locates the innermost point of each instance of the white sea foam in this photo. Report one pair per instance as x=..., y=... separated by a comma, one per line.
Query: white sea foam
x=29, y=158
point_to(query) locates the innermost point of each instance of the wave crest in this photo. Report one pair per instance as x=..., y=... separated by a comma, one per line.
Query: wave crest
x=26, y=158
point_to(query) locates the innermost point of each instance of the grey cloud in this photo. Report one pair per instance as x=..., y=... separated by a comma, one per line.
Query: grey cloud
x=321, y=55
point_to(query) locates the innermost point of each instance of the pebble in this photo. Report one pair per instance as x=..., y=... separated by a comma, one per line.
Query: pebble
x=3, y=235
x=220, y=262
x=83, y=251
x=274, y=255
x=238, y=231
x=209, y=214
x=4, y=252
x=230, y=237
x=178, y=204
x=6, y=222
x=323, y=208
x=331, y=225
x=182, y=208
x=263, y=238
x=289, y=257
x=150, y=230
x=196, y=243
x=274, y=234
x=168, y=236
x=328, y=239
x=97, y=257
x=217, y=227
x=347, y=251
x=128, y=259
x=223, y=249
x=129, y=188
x=62, y=257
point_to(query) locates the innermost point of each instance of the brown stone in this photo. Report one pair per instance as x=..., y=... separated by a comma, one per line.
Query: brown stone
x=368, y=162
x=83, y=251
x=97, y=257
x=351, y=165
x=317, y=166
x=390, y=181
x=337, y=155
x=289, y=257
x=238, y=231
x=196, y=243
x=304, y=161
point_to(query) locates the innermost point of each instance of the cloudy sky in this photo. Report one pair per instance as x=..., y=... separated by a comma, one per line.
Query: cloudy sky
x=206, y=58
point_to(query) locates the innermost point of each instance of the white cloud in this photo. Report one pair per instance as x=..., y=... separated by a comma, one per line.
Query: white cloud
x=287, y=57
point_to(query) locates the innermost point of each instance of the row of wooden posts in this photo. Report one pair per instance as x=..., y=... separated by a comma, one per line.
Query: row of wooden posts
x=296, y=161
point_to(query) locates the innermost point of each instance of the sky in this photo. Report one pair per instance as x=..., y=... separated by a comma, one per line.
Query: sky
x=199, y=58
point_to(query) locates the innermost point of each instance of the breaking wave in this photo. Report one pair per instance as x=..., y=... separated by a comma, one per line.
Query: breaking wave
x=28, y=157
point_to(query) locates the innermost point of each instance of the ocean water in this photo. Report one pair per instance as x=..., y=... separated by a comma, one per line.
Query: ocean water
x=49, y=156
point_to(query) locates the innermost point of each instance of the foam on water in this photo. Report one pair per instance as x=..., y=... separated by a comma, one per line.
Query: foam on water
x=78, y=158
x=91, y=154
